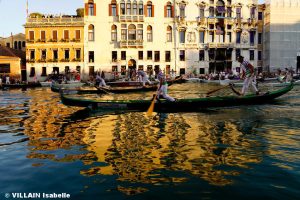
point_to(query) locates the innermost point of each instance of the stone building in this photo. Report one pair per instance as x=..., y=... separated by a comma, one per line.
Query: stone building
x=14, y=41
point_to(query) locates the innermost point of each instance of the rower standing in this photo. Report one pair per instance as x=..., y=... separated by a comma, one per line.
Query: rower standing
x=163, y=85
x=248, y=75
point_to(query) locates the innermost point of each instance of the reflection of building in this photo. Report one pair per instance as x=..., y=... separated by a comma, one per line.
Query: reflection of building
x=54, y=45
x=12, y=63
x=282, y=34
x=15, y=42
x=187, y=36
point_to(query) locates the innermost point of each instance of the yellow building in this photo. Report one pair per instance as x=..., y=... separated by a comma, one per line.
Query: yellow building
x=12, y=62
x=53, y=45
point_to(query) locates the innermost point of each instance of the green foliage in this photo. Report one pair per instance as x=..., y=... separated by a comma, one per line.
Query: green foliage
x=80, y=12
x=36, y=15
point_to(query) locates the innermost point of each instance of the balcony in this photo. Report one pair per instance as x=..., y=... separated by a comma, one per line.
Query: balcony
x=180, y=19
x=221, y=45
x=131, y=18
x=131, y=44
x=201, y=21
x=53, y=21
x=229, y=21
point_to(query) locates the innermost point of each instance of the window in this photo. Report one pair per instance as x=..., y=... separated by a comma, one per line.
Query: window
x=67, y=69
x=113, y=33
x=140, y=34
x=238, y=37
x=114, y=56
x=78, y=69
x=15, y=45
x=182, y=36
x=229, y=12
x=77, y=35
x=124, y=34
x=141, y=55
x=43, y=54
x=123, y=55
x=168, y=56
x=201, y=12
x=211, y=54
x=169, y=34
x=91, y=9
x=43, y=36
x=211, y=11
x=91, y=70
x=67, y=54
x=229, y=27
x=156, y=56
x=113, y=10
x=54, y=35
x=134, y=9
x=149, y=34
x=91, y=33
x=55, y=55
x=32, y=54
x=201, y=55
x=168, y=11
x=149, y=55
x=252, y=12
x=4, y=68
x=31, y=35
x=128, y=8
x=44, y=71
x=228, y=37
x=252, y=37
x=131, y=32
x=260, y=15
x=238, y=13
x=114, y=68
x=202, y=34
x=259, y=55
x=23, y=44
x=141, y=67
x=91, y=56
x=141, y=8
x=149, y=70
x=122, y=8
x=202, y=71
x=19, y=45
x=182, y=10
x=32, y=72
x=211, y=37
x=259, y=38
x=168, y=69
x=123, y=70
x=182, y=55
x=251, y=54
x=66, y=34
x=150, y=12
x=237, y=53
x=78, y=53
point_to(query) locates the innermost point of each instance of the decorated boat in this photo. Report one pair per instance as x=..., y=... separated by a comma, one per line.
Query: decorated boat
x=179, y=105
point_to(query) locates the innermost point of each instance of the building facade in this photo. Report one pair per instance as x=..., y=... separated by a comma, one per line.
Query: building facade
x=54, y=44
x=14, y=41
x=185, y=36
x=282, y=34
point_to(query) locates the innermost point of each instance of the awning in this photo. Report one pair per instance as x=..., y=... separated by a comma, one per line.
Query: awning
x=221, y=9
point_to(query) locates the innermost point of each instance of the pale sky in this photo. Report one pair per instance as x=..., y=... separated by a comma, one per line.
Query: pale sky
x=13, y=12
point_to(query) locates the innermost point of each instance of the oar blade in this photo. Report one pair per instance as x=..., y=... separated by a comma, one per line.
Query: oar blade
x=151, y=108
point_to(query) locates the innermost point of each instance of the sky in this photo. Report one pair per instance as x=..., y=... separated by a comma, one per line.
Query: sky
x=13, y=12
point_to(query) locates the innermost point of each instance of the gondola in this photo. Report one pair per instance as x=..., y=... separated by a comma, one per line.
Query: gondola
x=183, y=105
x=20, y=86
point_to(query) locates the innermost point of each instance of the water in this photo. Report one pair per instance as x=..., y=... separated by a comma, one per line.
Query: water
x=244, y=152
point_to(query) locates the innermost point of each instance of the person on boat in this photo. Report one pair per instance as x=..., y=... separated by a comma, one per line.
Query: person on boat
x=163, y=85
x=7, y=80
x=0, y=80
x=100, y=81
x=288, y=75
x=142, y=76
x=248, y=74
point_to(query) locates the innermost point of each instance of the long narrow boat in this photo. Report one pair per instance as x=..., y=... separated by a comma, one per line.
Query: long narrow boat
x=270, y=84
x=20, y=86
x=179, y=105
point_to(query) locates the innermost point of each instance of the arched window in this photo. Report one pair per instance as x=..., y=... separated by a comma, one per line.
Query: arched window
x=128, y=8
x=113, y=33
x=15, y=45
x=150, y=12
x=123, y=32
x=134, y=8
x=113, y=11
x=91, y=8
x=23, y=44
x=182, y=6
x=141, y=8
x=122, y=7
x=19, y=45
x=149, y=34
x=131, y=32
x=169, y=10
x=91, y=35
x=169, y=34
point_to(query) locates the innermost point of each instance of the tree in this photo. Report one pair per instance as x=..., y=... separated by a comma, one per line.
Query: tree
x=36, y=15
x=80, y=12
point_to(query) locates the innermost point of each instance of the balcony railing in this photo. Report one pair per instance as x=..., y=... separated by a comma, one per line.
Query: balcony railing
x=131, y=18
x=221, y=45
x=131, y=43
x=56, y=20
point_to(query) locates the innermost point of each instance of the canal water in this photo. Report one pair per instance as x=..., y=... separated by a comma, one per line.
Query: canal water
x=243, y=152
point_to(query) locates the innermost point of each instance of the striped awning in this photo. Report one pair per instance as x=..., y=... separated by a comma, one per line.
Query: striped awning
x=221, y=9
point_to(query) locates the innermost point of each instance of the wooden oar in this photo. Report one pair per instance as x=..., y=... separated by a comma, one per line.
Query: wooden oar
x=213, y=91
x=151, y=108
x=104, y=90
